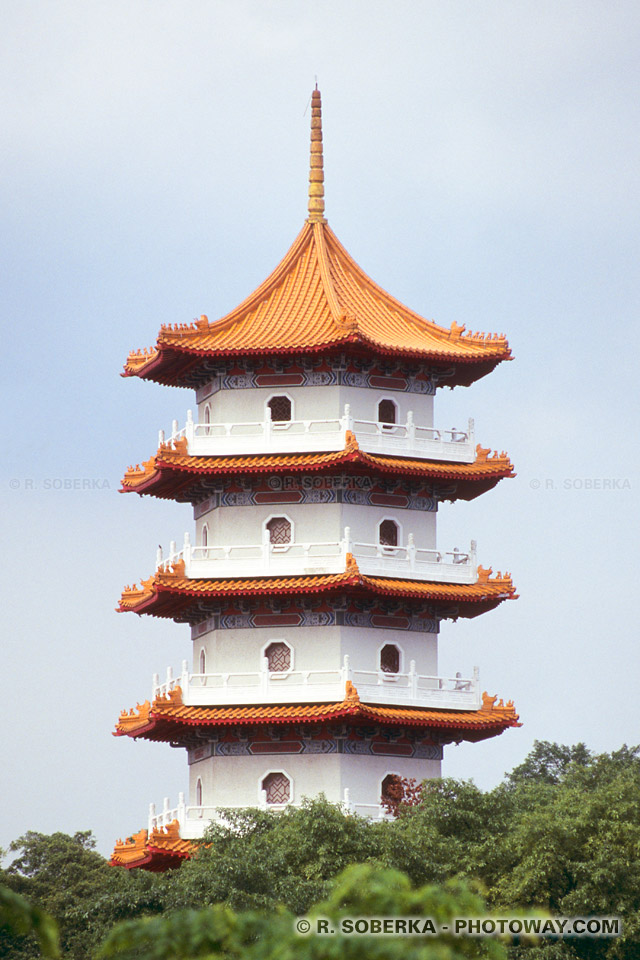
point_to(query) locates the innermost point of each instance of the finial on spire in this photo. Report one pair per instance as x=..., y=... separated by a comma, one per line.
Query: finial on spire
x=316, y=168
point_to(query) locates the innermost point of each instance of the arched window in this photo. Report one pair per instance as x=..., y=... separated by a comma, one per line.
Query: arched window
x=205, y=535
x=388, y=533
x=203, y=661
x=387, y=411
x=280, y=408
x=198, y=792
x=391, y=788
x=390, y=658
x=278, y=656
x=279, y=530
x=277, y=787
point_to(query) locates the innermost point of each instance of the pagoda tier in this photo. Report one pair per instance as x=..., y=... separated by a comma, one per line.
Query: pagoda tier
x=169, y=720
x=172, y=474
x=174, y=596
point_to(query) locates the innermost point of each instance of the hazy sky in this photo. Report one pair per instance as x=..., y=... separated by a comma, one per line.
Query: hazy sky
x=481, y=164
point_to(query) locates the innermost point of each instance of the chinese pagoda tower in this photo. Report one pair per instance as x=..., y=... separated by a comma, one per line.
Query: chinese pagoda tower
x=314, y=587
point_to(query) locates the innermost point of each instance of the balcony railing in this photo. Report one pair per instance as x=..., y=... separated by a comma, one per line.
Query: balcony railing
x=409, y=689
x=291, y=559
x=318, y=436
x=194, y=820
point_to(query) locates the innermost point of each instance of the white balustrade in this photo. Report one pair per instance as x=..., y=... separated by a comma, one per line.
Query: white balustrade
x=374, y=559
x=409, y=689
x=318, y=436
x=194, y=820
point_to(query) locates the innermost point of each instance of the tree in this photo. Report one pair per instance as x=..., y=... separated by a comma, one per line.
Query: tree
x=19, y=919
x=66, y=878
x=362, y=890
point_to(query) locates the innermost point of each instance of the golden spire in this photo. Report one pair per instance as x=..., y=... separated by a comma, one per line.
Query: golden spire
x=316, y=172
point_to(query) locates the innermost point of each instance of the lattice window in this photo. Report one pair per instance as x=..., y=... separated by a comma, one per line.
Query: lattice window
x=390, y=659
x=386, y=411
x=277, y=787
x=280, y=408
x=391, y=787
x=388, y=533
x=279, y=530
x=278, y=657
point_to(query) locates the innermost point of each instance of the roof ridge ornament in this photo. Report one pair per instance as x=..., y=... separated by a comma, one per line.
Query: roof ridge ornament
x=316, y=163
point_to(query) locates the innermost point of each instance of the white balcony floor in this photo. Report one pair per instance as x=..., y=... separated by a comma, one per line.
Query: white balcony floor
x=320, y=436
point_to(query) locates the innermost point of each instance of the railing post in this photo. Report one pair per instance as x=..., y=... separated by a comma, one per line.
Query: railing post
x=169, y=678
x=155, y=684
x=413, y=680
x=174, y=428
x=182, y=810
x=152, y=817
x=160, y=437
x=411, y=430
x=347, y=545
x=345, y=673
x=165, y=812
x=473, y=559
x=186, y=552
x=184, y=679
x=471, y=430
x=411, y=552
x=347, y=419
x=190, y=431
x=158, y=557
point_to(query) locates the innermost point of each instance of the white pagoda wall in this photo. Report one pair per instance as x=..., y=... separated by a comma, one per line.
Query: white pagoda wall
x=314, y=523
x=314, y=403
x=314, y=648
x=236, y=781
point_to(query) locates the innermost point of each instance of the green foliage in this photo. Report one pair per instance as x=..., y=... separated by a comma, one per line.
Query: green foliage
x=19, y=919
x=361, y=890
x=548, y=762
x=259, y=859
x=65, y=877
x=561, y=834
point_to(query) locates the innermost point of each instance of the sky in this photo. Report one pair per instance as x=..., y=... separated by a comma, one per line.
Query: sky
x=481, y=164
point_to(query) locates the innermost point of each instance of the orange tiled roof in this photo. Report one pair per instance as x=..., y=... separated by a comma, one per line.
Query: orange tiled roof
x=163, y=593
x=166, y=717
x=172, y=465
x=156, y=852
x=317, y=299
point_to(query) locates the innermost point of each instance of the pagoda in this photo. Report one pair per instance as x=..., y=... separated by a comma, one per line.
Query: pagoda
x=314, y=586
